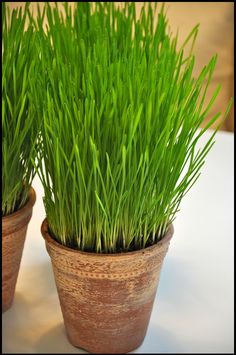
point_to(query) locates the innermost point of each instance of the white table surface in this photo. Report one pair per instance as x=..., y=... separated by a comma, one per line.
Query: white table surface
x=193, y=310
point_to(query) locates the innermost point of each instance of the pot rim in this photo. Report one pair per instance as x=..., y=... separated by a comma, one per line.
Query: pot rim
x=29, y=204
x=47, y=237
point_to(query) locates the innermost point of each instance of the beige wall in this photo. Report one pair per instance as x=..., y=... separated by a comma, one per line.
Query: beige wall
x=215, y=36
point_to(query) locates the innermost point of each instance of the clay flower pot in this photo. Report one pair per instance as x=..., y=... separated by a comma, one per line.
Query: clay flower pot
x=14, y=228
x=106, y=299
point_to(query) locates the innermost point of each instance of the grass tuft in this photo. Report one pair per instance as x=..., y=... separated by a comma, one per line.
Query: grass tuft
x=121, y=114
x=19, y=126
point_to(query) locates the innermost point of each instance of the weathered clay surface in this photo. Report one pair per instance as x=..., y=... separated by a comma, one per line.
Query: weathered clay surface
x=106, y=300
x=14, y=228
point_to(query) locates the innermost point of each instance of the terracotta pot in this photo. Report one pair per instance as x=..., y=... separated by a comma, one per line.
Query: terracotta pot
x=14, y=228
x=106, y=299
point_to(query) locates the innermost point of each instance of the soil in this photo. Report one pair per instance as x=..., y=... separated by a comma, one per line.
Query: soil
x=119, y=249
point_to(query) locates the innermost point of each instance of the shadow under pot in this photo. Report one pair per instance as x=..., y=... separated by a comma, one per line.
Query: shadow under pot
x=106, y=299
x=14, y=228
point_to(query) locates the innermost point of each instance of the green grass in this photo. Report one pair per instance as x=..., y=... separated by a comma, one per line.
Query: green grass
x=120, y=114
x=19, y=126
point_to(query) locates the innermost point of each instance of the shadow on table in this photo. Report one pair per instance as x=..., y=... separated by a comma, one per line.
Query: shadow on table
x=35, y=285
x=55, y=341
x=158, y=340
x=175, y=281
x=35, y=292
x=36, y=281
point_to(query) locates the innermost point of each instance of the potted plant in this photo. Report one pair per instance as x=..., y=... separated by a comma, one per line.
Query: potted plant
x=121, y=121
x=19, y=134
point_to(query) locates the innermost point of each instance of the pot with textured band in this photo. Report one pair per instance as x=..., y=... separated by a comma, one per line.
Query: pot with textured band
x=14, y=228
x=106, y=299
